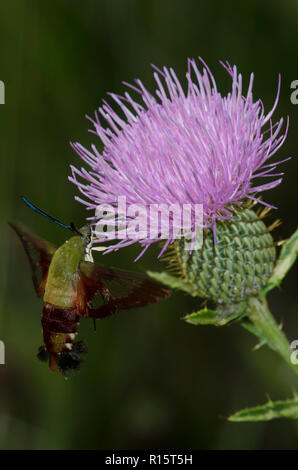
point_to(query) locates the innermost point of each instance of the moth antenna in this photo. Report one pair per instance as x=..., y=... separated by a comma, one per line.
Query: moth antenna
x=70, y=227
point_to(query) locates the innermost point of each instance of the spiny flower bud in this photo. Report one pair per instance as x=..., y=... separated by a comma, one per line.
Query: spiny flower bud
x=233, y=269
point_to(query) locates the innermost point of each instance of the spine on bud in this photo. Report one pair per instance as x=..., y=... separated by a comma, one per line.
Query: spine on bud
x=236, y=267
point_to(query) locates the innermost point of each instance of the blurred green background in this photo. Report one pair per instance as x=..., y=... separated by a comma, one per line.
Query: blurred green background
x=149, y=380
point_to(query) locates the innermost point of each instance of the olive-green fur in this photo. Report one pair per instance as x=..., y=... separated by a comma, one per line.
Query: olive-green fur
x=63, y=274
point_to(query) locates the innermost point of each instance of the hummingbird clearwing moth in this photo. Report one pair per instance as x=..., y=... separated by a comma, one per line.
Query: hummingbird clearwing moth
x=74, y=287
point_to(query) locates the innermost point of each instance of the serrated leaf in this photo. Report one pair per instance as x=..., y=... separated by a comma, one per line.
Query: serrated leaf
x=219, y=317
x=285, y=261
x=270, y=410
x=202, y=317
x=170, y=281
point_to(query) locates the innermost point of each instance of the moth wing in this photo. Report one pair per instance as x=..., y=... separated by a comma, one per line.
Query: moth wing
x=118, y=289
x=39, y=252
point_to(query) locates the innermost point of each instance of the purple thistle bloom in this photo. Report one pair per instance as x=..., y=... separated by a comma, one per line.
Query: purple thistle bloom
x=195, y=147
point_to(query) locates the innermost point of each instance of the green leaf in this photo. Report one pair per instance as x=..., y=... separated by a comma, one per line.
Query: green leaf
x=268, y=411
x=220, y=317
x=202, y=317
x=285, y=261
x=170, y=281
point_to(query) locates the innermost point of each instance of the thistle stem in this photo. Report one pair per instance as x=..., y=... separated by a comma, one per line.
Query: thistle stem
x=264, y=322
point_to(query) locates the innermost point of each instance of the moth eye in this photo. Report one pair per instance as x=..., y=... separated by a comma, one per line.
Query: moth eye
x=42, y=354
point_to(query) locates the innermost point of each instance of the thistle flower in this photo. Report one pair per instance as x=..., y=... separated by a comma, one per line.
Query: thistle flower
x=185, y=147
x=199, y=147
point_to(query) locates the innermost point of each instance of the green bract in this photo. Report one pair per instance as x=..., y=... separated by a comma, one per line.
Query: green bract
x=236, y=267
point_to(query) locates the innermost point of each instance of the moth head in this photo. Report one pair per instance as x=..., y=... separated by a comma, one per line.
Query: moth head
x=86, y=234
x=87, y=238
